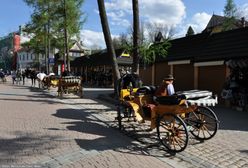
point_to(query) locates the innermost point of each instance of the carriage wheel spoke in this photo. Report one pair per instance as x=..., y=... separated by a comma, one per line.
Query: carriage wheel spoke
x=173, y=142
x=203, y=132
x=207, y=130
x=181, y=139
x=196, y=116
x=209, y=125
x=178, y=143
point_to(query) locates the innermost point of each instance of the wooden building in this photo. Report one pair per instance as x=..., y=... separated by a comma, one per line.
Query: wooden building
x=97, y=66
x=200, y=61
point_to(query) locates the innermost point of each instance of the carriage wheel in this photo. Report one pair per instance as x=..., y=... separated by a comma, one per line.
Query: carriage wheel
x=172, y=132
x=126, y=112
x=204, y=123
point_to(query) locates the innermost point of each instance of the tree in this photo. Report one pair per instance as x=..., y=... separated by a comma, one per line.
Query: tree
x=190, y=31
x=152, y=51
x=154, y=28
x=153, y=47
x=136, y=33
x=38, y=27
x=230, y=9
x=149, y=48
x=109, y=44
x=59, y=22
x=230, y=13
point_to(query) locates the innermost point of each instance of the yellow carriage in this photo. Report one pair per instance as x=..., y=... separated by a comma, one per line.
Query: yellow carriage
x=49, y=81
x=173, y=116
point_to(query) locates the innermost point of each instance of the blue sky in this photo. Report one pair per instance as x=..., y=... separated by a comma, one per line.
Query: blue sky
x=173, y=13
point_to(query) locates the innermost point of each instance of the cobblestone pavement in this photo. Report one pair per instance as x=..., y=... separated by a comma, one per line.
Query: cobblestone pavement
x=37, y=129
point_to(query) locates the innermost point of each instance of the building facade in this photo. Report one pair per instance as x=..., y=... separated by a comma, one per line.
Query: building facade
x=206, y=61
x=9, y=45
x=97, y=68
x=26, y=58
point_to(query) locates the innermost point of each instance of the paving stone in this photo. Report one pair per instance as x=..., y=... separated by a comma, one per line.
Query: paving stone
x=70, y=133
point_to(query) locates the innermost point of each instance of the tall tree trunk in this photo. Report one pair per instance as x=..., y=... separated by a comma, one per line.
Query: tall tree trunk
x=48, y=41
x=109, y=44
x=67, y=66
x=136, y=33
x=46, y=49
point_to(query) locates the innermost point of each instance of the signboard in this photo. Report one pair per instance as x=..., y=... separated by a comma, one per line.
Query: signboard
x=51, y=60
x=16, y=42
x=59, y=70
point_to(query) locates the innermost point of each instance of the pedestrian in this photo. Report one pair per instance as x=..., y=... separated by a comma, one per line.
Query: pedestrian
x=18, y=77
x=33, y=77
x=2, y=75
x=23, y=77
x=13, y=75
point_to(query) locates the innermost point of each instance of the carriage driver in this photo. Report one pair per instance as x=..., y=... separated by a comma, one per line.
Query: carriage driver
x=166, y=88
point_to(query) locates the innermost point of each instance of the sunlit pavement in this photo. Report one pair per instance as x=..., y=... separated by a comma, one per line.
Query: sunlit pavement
x=39, y=129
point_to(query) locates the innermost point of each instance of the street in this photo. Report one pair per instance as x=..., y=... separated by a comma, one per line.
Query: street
x=39, y=130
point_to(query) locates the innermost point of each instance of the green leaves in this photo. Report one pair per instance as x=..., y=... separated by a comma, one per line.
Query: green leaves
x=149, y=53
x=230, y=9
x=230, y=13
x=50, y=15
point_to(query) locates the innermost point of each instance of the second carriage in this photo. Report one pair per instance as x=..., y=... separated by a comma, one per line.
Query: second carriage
x=65, y=84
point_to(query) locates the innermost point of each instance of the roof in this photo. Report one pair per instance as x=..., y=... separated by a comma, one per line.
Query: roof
x=217, y=20
x=102, y=58
x=205, y=47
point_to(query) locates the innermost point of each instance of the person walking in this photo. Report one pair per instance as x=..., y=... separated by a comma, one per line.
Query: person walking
x=18, y=77
x=2, y=75
x=13, y=75
x=33, y=77
x=23, y=77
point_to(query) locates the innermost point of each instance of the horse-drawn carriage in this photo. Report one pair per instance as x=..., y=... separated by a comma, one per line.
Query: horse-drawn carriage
x=70, y=84
x=173, y=116
x=65, y=84
x=48, y=81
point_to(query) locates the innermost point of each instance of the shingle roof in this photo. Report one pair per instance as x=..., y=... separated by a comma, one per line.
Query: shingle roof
x=217, y=20
x=102, y=58
x=203, y=47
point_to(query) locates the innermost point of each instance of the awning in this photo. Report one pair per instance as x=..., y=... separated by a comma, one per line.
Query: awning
x=239, y=63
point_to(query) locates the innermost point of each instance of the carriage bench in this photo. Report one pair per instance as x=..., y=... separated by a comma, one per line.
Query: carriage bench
x=70, y=84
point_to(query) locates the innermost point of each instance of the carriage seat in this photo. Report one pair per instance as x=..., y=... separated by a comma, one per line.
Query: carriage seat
x=147, y=90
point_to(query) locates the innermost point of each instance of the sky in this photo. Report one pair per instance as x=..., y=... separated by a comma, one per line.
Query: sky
x=179, y=14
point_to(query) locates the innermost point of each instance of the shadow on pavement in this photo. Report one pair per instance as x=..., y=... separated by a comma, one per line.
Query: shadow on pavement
x=23, y=145
x=101, y=137
x=244, y=151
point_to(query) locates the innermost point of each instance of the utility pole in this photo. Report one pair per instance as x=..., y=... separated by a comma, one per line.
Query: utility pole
x=136, y=37
x=48, y=37
x=66, y=40
x=46, y=49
